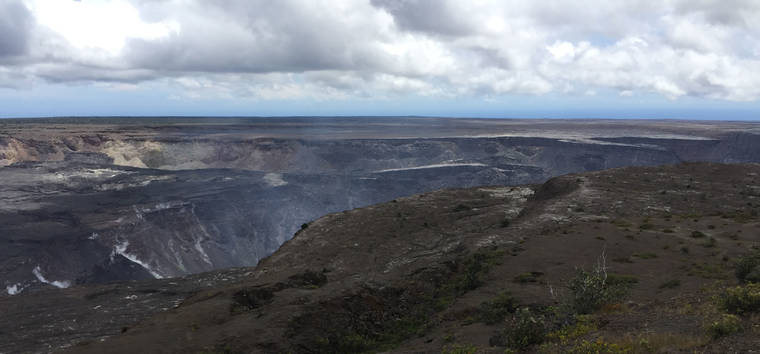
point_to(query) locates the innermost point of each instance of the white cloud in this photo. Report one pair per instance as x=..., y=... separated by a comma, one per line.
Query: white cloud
x=352, y=49
x=97, y=25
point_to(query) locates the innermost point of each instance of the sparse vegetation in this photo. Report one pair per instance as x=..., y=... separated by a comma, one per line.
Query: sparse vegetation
x=670, y=284
x=475, y=266
x=709, y=242
x=707, y=270
x=460, y=349
x=524, y=329
x=621, y=223
x=496, y=310
x=621, y=280
x=583, y=325
x=646, y=255
x=308, y=279
x=724, y=326
x=741, y=299
x=251, y=298
x=698, y=234
x=590, y=290
x=599, y=346
x=382, y=318
x=748, y=268
x=529, y=277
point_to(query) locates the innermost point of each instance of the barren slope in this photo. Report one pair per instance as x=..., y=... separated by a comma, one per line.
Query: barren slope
x=421, y=274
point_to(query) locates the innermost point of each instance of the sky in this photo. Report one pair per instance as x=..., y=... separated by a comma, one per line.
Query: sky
x=689, y=59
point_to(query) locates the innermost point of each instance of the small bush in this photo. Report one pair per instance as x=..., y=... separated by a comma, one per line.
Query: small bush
x=707, y=270
x=670, y=284
x=524, y=329
x=741, y=299
x=697, y=234
x=590, y=290
x=748, y=268
x=599, y=346
x=251, y=298
x=495, y=311
x=622, y=280
x=460, y=349
x=583, y=325
x=308, y=279
x=474, y=267
x=530, y=277
x=726, y=325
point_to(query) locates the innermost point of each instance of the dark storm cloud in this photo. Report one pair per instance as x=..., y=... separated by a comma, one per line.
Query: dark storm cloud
x=15, y=26
x=427, y=16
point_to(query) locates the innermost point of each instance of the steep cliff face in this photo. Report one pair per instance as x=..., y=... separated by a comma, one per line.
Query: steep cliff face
x=96, y=201
x=371, y=155
x=77, y=223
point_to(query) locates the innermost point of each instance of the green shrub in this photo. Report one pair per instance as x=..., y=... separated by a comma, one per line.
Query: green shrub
x=460, y=349
x=599, y=346
x=748, y=268
x=529, y=277
x=697, y=234
x=495, y=311
x=726, y=325
x=707, y=270
x=741, y=299
x=622, y=280
x=583, y=325
x=474, y=267
x=590, y=290
x=524, y=329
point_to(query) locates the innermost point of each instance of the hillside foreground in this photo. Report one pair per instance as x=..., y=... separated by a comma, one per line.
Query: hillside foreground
x=643, y=259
